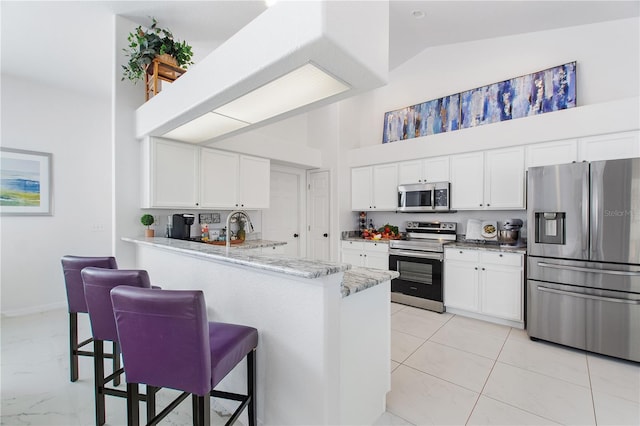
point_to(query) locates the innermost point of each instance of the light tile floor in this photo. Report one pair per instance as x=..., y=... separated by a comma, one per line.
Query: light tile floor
x=452, y=370
x=446, y=370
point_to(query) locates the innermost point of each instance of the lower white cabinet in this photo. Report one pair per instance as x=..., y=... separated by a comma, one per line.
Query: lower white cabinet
x=489, y=283
x=366, y=254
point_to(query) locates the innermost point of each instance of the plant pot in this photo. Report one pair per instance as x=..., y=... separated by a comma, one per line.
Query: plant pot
x=149, y=233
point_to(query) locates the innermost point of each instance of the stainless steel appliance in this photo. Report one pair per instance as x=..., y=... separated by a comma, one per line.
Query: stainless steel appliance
x=419, y=259
x=509, y=234
x=583, y=286
x=424, y=197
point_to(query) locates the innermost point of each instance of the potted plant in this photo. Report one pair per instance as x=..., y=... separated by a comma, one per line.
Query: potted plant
x=147, y=220
x=147, y=43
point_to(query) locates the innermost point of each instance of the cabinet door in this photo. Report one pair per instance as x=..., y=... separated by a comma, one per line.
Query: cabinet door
x=504, y=179
x=436, y=169
x=461, y=285
x=254, y=183
x=385, y=187
x=501, y=292
x=557, y=152
x=353, y=257
x=361, y=188
x=610, y=147
x=467, y=184
x=219, y=179
x=174, y=171
x=410, y=172
x=376, y=260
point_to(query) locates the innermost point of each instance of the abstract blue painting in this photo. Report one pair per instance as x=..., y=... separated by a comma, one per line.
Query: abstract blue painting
x=544, y=91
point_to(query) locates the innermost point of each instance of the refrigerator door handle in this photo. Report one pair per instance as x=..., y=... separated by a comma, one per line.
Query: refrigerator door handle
x=589, y=296
x=581, y=269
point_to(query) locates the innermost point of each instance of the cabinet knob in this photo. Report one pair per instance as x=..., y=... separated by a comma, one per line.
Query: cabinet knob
x=294, y=236
x=500, y=254
x=325, y=235
x=476, y=268
x=483, y=269
x=480, y=205
x=460, y=251
x=237, y=204
x=488, y=204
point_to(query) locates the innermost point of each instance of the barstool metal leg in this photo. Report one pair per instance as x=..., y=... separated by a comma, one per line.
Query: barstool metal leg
x=151, y=402
x=73, y=345
x=98, y=358
x=201, y=410
x=116, y=362
x=251, y=387
x=133, y=408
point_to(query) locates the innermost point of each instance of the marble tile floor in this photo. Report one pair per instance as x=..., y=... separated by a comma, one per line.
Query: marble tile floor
x=452, y=370
x=446, y=370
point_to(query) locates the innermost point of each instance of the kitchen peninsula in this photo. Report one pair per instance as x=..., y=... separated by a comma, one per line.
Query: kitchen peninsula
x=324, y=348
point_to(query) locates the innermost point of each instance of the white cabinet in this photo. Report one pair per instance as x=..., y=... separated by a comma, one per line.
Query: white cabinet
x=366, y=254
x=467, y=181
x=170, y=174
x=230, y=180
x=609, y=147
x=549, y=153
x=188, y=176
x=434, y=169
x=492, y=179
x=488, y=283
x=374, y=187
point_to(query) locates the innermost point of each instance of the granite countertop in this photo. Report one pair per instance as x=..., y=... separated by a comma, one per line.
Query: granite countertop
x=354, y=280
x=357, y=279
x=487, y=246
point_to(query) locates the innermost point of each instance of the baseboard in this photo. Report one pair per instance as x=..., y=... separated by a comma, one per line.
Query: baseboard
x=34, y=309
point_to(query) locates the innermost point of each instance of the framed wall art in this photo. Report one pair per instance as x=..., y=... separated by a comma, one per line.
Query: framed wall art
x=25, y=182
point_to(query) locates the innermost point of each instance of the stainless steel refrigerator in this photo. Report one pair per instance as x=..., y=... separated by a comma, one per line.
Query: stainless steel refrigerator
x=583, y=246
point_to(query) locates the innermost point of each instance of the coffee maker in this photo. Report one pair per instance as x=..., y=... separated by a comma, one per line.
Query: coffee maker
x=181, y=226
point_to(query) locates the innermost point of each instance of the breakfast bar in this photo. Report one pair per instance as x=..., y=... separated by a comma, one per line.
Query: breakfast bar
x=324, y=327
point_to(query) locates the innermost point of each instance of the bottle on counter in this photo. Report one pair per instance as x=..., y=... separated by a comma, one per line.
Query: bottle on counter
x=205, y=233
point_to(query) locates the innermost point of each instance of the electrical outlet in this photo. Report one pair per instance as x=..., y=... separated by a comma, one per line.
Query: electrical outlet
x=97, y=228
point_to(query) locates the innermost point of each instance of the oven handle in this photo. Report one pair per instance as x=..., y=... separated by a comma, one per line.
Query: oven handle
x=589, y=296
x=422, y=255
x=582, y=269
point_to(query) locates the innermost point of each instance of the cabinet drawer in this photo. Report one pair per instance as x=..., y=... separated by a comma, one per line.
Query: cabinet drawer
x=504, y=259
x=354, y=245
x=464, y=255
x=377, y=247
x=416, y=290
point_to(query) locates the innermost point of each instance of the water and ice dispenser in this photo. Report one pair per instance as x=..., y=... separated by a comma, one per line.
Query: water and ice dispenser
x=550, y=227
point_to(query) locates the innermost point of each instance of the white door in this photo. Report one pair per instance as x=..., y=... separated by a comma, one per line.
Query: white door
x=318, y=216
x=284, y=219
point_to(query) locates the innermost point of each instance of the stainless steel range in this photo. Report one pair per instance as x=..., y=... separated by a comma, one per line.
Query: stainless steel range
x=419, y=259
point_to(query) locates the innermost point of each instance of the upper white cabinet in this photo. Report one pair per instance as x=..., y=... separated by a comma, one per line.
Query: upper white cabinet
x=426, y=170
x=609, y=147
x=188, y=176
x=549, y=153
x=231, y=180
x=374, y=187
x=488, y=180
x=171, y=174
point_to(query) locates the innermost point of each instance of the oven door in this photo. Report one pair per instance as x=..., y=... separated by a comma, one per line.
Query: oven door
x=420, y=274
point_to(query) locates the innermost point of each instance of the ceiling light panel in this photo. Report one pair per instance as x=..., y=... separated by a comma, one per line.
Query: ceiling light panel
x=303, y=86
x=205, y=127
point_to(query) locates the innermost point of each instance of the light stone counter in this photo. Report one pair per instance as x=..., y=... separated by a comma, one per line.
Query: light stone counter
x=488, y=246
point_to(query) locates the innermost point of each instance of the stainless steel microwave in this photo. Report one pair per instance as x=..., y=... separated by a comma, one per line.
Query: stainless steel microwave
x=424, y=197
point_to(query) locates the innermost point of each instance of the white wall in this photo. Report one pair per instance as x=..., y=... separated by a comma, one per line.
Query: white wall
x=76, y=130
x=608, y=69
x=608, y=74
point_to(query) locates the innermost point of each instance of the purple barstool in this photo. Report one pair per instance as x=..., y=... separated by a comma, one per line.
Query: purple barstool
x=98, y=283
x=167, y=342
x=71, y=266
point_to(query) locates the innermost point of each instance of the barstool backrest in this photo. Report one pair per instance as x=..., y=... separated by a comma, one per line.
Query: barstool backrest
x=98, y=283
x=71, y=266
x=164, y=336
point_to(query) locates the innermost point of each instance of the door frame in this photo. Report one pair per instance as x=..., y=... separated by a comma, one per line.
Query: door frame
x=302, y=202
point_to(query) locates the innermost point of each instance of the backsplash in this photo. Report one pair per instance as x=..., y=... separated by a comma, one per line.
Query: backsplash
x=461, y=217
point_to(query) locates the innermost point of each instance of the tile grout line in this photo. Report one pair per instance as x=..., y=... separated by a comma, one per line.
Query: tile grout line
x=593, y=401
x=488, y=376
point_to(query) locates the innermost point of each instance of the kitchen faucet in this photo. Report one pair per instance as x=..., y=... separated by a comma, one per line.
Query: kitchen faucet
x=236, y=212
